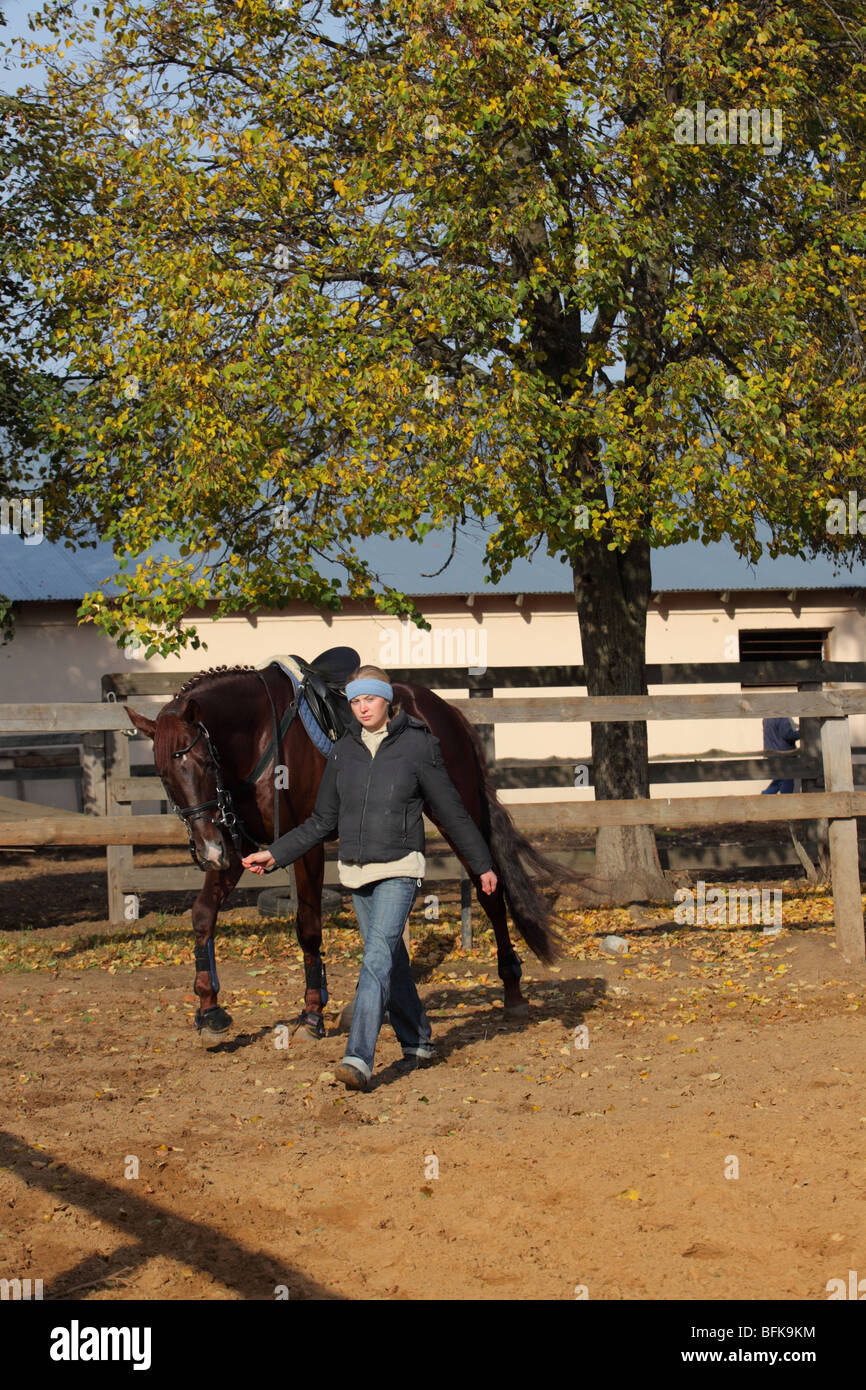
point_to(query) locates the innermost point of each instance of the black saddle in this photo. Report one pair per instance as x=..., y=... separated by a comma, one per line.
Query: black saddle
x=323, y=688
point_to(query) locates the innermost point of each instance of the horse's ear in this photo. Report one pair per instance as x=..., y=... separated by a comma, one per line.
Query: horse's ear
x=190, y=711
x=141, y=722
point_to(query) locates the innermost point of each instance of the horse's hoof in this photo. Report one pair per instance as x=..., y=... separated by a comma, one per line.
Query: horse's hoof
x=213, y=1025
x=303, y=1034
x=310, y=1027
x=520, y=1010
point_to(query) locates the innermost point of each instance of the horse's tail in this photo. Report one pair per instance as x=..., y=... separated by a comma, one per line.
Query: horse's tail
x=530, y=909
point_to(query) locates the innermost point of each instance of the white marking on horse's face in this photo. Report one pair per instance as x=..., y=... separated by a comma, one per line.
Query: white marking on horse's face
x=213, y=853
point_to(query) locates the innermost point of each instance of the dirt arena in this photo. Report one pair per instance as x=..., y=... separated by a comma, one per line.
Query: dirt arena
x=708, y=1141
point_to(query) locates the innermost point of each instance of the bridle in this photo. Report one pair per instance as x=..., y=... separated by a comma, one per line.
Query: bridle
x=227, y=818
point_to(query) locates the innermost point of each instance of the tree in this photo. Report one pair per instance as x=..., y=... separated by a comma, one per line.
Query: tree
x=38, y=198
x=592, y=269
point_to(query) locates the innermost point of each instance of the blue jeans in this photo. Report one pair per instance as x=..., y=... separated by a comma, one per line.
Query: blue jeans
x=386, y=980
x=781, y=784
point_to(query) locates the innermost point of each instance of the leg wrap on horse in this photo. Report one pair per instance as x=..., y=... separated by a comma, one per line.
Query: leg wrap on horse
x=509, y=964
x=205, y=959
x=316, y=978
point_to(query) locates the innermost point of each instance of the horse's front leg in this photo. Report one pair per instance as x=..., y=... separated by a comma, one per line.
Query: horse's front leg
x=211, y=1021
x=309, y=874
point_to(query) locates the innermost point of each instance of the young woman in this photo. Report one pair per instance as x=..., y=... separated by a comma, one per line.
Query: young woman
x=376, y=781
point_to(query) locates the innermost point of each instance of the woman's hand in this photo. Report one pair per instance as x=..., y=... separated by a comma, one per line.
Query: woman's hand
x=259, y=862
x=488, y=882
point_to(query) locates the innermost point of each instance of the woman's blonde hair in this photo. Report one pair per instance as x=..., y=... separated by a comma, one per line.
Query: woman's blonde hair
x=377, y=674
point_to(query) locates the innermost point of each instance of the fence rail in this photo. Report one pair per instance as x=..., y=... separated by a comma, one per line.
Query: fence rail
x=607, y=709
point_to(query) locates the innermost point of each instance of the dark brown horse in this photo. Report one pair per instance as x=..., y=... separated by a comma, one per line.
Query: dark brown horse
x=216, y=731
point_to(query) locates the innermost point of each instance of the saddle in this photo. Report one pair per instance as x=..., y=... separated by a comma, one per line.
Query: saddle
x=324, y=709
x=321, y=684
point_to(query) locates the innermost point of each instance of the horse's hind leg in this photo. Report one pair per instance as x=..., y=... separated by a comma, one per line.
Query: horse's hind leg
x=309, y=873
x=508, y=961
x=211, y=1021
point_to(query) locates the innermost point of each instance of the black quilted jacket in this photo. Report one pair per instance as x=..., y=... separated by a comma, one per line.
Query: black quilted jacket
x=375, y=803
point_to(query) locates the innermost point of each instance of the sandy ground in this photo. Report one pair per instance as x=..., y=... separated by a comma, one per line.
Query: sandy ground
x=687, y=1121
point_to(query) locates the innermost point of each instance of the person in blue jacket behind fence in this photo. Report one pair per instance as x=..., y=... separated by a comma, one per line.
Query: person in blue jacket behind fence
x=375, y=783
x=780, y=735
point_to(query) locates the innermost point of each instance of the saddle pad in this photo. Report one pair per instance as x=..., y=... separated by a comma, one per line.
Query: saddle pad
x=319, y=737
x=290, y=667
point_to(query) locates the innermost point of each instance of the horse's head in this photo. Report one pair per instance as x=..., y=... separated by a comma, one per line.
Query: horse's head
x=188, y=766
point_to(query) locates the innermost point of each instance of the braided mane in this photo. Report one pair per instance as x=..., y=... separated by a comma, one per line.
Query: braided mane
x=211, y=671
x=200, y=676
x=164, y=737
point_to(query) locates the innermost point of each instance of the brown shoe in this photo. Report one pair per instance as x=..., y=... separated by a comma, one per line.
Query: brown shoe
x=352, y=1077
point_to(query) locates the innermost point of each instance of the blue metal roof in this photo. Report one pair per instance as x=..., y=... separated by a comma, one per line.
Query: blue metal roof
x=50, y=570
x=679, y=568
x=53, y=571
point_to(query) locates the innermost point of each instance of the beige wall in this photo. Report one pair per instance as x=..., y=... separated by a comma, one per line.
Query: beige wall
x=53, y=659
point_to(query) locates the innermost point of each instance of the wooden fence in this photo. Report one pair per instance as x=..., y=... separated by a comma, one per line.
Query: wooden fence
x=110, y=790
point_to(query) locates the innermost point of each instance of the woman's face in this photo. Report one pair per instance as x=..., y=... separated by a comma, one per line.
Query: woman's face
x=371, y=711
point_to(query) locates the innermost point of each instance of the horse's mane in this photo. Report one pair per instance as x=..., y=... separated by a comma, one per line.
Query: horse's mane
x=162, y=740
x=210, y=672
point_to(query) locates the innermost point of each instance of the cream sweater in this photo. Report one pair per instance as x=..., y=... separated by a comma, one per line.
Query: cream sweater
x=412, y=865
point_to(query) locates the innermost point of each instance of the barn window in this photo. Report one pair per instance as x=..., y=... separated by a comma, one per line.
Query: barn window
x=783, y=644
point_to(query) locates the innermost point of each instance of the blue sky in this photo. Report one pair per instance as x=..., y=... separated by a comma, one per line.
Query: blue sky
x=16, y=12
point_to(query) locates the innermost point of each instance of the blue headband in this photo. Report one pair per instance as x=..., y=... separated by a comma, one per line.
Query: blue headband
x=368, y=686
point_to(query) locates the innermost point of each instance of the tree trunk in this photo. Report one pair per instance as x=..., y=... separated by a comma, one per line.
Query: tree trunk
x=612, y=590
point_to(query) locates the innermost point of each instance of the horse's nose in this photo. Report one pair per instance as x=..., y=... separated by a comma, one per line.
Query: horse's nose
x=215, y=854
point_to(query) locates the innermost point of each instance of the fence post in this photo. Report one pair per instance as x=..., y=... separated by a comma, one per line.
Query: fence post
x=465, y=910
x=119, y=858
x=93, y=789
x=810, y=746
x=485, y=732
x=844, y=854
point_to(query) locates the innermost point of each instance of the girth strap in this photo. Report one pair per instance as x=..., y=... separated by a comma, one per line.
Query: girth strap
x=278, y=738
x=272, y=751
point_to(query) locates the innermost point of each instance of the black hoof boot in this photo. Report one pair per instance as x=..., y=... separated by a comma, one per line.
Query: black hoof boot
x=213, y=1024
